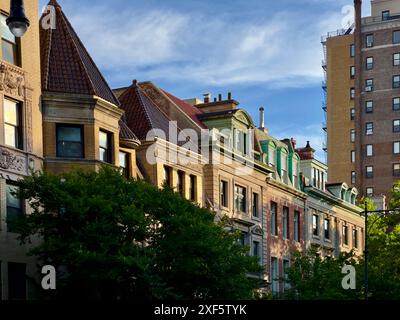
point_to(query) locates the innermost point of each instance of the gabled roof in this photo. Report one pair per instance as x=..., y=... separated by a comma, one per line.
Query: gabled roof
x=66, y=65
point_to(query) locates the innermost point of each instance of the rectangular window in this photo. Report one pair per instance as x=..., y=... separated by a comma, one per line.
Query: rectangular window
x=224, y=193
x=396, y=147
x=396, y=81
x=15, y=206
x=345, y=235
x=274, y=275
x=369, y=150
x=369, y=85
x=16, y=281
x=284, y=165
x=352, y=93
x=352, y=113
x=396, y=125
x=285, y=223
x=255, y=205
x=9, y=44
x=369, y=170
x=193, y=188
x=286, y=266
x=396, y=169
x=271, y=156
x=369, y=128
x=369, y=40
x=69, y=141
x=352, y=51
x=105, y=146
x=327, y=229
x=396, y=103
x=385, y=15
x=315, y=225
x=353, y=177
x=352, y=72
x=369, y=106
x=124, y=163
x=396, y=36
x=396, y=59
x=240, y=199
x=256, y=250
x=352, y=135
x=12, y=124
x=369, y=63
x=181, y=183
x=296, y=226
x=167, y=176
x=355, y=238
x=370, y=192
x=274, y=214
x=244, y=238
x=353, y=156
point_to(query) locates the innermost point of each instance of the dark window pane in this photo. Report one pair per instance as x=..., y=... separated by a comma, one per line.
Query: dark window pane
x=69, y=142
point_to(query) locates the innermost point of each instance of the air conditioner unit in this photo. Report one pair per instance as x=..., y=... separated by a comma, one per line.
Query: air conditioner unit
x=368, y=88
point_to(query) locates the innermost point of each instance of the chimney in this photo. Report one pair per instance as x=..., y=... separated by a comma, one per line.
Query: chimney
x=220, y=97
x=229, y=95
x=294, y=142
x=207, y=97
x=307, y=152
x=217, y=105
x=262, y=118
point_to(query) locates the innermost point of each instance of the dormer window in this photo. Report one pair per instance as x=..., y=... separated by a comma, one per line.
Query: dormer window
x=241, y=141
x=271, y=156
x=295, y=172
x=284, y=165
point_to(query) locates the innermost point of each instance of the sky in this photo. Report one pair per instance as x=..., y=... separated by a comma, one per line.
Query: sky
x=266, y=52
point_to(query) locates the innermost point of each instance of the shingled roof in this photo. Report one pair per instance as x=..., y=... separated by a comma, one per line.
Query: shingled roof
x=66, y=64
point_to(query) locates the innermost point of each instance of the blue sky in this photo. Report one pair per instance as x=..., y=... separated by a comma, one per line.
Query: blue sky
x=266, y=52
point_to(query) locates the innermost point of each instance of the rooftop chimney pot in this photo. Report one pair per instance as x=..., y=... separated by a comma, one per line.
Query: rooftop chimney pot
x=229, y=95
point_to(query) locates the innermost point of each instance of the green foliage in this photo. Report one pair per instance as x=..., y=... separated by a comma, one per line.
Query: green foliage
x=111, y=238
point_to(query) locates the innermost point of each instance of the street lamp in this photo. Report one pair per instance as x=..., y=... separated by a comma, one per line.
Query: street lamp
x=17, y=22
x=366, y=212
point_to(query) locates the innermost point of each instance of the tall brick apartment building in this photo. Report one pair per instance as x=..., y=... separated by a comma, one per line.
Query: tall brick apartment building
x=363, y=101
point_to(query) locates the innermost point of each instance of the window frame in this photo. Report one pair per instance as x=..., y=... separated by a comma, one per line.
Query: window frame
x=274, y=218
x=109, y=150
x=315, y=225
x=369, y=128
x=396, y=106
x=369, y=172
x=396, y=145
x=396, y=32
x=327, y=229
x=285, y=223
x=224, y=191
x=22, y=206
x=369, y=44
x=82, y=140
x=369, y=65
x=396, y=172
x=255, y=204
x=15, y=46
x=396, y=84
x=369, y=106
x=367, y=154
x=18, y=127
x=240, y=199
x=396, y=127
x=396, y=62
x=125, y=171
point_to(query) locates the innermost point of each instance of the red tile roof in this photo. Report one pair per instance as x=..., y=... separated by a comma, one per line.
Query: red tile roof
x=66, y=65
x=125, y=133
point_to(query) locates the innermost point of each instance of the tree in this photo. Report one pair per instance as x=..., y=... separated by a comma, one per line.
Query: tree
x=113, y=238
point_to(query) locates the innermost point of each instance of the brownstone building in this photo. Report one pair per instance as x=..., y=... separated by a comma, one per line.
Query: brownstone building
x=363, y=101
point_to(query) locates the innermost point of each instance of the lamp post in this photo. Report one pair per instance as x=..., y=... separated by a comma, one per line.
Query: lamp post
x=366, y=212
x=17, y=22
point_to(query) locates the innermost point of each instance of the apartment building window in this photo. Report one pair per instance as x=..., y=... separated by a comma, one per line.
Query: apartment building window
x=370, y=192
x=353, y=156
x=327, y=229
x=315, y=225
x=15, y=205
x=286, y=266
x=16, y=281
x=369, y=170
x=192, y=187
x=69, y=141
x=396, y=36
x=105, y=146
x=124, y=163
x=345, y=235
x=244, y=238
x=285, y=223
x=352, y=113
x=256, y=250
x=12, y=124
x=396, y=147
x=370, y=63
x=353, y=177
x=295, y=172
x=396, y=81
x=256, y=205
x=271, y=156
x=224, y=193
x=9, y=44
x=369, y=85
x=396, y=103
x=396, y=125
x=352, y=135
x=168, y=176
x=274, y=275
x=396, y=169
x=181, y=183
x=385, y=15
x=296, y=226
x=369, y=106
x=352, y=93
x=355, y=238
x=274, y=215
x=240, y=198
x=369, y=128
x=396, y=59
x=352, y=51
x=352, y=72
x=369, y=40
x=369, y=150
x=284, y=165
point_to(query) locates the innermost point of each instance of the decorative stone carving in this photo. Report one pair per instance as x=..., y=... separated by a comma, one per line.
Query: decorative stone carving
x=257, y=230
x=11, y=80
x=11, y=161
